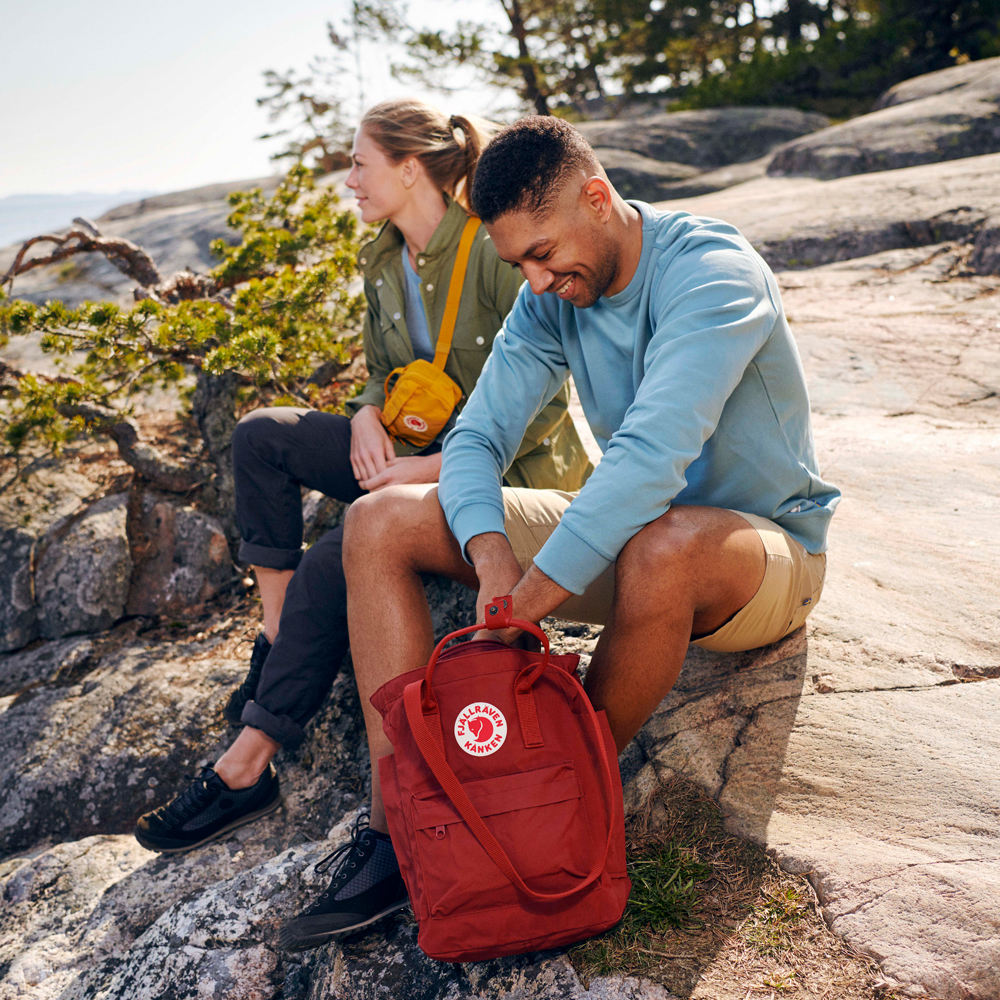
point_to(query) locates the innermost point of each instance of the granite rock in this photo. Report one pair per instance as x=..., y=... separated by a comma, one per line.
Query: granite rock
x=957, y=115
x=176, y=229
x=87, y=751
x=941, y=81
x=102, y=918
x=183, y=559
x=49, y=662
x=705, y=139
x=642, y=177
x=18, y=614
x=83, y=570
x=802, y=222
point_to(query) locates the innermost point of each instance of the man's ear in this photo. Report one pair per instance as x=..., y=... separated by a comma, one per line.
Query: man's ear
x=596, y=196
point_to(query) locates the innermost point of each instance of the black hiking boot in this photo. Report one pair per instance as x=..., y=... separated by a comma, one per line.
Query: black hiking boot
x=248, y=689
x=366, y=887
x=206, y=810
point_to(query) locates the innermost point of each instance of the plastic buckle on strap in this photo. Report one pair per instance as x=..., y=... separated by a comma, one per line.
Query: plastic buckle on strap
x=499, y=612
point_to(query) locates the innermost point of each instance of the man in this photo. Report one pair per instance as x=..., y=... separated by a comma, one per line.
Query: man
x=706, y=520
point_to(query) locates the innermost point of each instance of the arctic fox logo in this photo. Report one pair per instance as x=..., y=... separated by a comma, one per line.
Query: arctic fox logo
x=415, y=423
x=480, y=729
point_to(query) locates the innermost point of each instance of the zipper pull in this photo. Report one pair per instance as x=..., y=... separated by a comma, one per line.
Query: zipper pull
x=439, y=833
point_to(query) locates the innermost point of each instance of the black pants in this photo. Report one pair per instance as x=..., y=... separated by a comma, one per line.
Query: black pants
x=276, y=452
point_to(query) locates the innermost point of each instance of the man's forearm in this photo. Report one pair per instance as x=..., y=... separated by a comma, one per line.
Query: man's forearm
x=495, y=562
x=535, y=594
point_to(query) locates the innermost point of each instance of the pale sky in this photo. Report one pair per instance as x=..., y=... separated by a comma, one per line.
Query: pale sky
x=107, y=95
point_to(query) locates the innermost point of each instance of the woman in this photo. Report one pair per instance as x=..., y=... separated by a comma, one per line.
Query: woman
x=411, y=166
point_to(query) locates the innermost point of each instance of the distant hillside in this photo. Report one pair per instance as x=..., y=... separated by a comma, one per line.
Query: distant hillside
x=26, y=215
x=176, y=229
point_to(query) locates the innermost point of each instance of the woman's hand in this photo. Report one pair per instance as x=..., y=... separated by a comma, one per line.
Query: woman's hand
x=371, y=447
x=410, y=469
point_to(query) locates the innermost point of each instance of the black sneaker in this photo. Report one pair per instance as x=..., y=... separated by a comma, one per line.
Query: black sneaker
x=367, y=882
x=248, y=689
x=206, y=810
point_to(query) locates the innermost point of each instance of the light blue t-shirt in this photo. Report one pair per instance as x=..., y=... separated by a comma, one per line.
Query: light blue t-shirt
x=416, y=315
x=691, y=382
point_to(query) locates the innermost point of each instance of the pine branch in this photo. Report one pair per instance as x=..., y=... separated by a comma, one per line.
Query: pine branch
x=124, y=431
x=130, y=259
x=142, y=456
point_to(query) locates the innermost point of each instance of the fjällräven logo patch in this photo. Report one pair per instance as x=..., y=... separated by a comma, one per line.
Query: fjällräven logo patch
x=480, y=729
x=415, y=423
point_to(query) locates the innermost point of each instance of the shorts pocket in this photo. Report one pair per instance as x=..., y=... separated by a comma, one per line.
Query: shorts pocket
x=813, y=576
x=539, y=819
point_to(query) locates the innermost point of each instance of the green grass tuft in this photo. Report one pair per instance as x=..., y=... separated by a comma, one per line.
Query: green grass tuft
x=665, y=896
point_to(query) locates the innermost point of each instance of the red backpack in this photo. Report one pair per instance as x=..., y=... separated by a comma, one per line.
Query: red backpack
x=503, y=798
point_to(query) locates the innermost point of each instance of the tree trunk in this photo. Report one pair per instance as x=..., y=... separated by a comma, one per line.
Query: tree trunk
x=214, y=408
x=531, y=88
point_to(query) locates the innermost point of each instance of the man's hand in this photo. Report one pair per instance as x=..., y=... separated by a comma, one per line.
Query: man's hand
x=535, y=595
x=499, y=572
x=371, y=447
x=409, y=469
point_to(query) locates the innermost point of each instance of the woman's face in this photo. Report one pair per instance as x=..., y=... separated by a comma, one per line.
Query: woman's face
x=376, y=181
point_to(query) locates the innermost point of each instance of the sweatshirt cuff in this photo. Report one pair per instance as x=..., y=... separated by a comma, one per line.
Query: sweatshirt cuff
x=475, y=519
x=570, y=560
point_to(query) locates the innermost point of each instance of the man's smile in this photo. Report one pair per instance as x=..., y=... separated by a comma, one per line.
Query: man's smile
x=566, y=289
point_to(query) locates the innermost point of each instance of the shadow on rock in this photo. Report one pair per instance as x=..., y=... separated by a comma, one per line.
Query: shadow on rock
x=725, y=726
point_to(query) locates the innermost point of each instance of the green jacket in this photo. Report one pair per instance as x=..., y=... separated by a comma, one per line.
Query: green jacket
x=551, y=455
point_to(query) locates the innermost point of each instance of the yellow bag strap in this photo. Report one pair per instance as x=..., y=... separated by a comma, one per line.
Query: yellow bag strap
x=447, y=330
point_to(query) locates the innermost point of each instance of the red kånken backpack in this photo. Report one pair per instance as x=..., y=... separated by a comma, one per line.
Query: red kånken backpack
x=503, y=798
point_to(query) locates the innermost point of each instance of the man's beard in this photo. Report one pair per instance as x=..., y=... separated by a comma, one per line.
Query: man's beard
x=603, y=274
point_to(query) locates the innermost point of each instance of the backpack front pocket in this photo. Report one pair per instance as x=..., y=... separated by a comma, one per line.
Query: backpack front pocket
x=538, y=817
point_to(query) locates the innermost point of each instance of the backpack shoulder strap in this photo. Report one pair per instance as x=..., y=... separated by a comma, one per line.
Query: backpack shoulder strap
x=447, y=330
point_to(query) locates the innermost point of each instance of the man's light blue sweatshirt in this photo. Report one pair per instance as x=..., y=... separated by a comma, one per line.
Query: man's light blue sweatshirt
x=691, y=382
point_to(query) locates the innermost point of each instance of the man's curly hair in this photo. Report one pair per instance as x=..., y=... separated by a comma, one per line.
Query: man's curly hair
x=525, y=165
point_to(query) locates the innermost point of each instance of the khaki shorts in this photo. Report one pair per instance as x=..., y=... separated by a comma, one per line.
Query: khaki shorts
x=791, y=588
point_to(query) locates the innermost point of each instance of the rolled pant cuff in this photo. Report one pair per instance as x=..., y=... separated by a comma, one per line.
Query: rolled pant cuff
x=280, y=728
x=262, y=555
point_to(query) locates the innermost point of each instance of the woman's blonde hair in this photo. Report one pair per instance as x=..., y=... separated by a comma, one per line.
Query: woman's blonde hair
x=408, y=127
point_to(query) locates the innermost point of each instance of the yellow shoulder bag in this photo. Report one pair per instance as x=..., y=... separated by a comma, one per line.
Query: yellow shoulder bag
x=420, y=397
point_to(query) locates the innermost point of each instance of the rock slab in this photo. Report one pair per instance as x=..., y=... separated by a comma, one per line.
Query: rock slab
x=183, y=558
x=715, y=137
x=82, y=579
x=947, y=115
x=18, y=615
x=802, y=222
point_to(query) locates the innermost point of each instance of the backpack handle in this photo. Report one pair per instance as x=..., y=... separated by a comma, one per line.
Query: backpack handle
x=418, y=695
x=499, y=614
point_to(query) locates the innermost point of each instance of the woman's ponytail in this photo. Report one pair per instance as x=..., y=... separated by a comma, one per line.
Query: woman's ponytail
x=410, y=127
x=476, y=138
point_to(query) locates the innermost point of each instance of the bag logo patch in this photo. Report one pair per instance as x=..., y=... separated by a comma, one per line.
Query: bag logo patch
x=415, y=423
x=480, y=729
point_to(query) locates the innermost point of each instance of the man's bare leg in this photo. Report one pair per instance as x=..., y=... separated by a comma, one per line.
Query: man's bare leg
x=685, y=574
x=390, y=537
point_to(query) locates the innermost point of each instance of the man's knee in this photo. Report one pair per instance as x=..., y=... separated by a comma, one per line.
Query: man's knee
x=383, y=521
x=672, y=540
